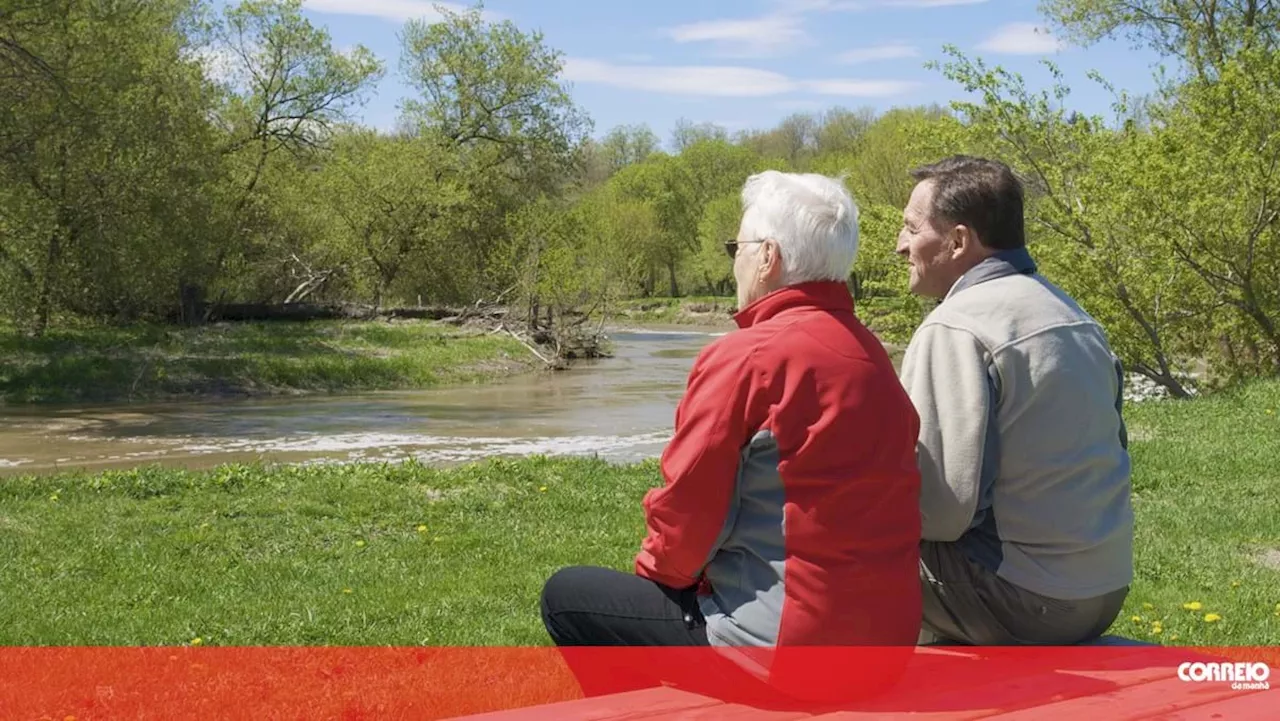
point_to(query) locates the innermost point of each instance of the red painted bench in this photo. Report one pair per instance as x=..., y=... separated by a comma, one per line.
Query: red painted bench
x=1127, y=680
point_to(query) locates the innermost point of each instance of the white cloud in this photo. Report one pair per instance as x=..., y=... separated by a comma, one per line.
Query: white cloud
x=397, y=10
x=750, y=37
x=863, y=5
x=1021, y=39
x=719, y=81
x=891, y=51
x=725, y=81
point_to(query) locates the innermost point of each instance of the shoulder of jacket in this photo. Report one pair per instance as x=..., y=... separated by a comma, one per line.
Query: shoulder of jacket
x=954, y=320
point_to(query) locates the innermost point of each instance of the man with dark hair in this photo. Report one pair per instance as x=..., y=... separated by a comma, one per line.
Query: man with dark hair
x=1027, y=524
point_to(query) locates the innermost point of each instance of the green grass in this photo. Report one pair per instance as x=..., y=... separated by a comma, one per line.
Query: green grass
x=316, y=555
x=334, y=555
x=1207, y=498
x=707, y=311
x=100, y=364
x=892, y=319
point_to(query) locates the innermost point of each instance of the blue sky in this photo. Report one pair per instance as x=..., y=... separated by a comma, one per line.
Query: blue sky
x=749, y=64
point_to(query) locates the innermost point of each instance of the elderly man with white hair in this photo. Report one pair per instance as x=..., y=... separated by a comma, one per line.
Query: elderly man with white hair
x=789, y=514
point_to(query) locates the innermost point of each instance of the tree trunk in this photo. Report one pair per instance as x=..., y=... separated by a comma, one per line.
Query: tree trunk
x=44, y=301
x=191, y=303
x=671, y=273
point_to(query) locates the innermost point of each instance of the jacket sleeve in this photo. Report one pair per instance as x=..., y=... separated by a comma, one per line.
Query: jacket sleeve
x=684, y=517
x=944, y=371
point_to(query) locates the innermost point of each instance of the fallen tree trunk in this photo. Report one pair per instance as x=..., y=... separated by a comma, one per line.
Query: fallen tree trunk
x=242, y=312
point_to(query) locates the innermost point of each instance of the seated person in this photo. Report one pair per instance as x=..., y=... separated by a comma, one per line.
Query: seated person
x=789, y=515
x=1028, y=528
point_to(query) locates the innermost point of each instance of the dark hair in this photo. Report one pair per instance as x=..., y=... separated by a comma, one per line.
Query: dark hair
x=982, y=194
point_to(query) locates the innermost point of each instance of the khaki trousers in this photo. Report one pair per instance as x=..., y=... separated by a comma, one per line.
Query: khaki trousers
x=964, y=603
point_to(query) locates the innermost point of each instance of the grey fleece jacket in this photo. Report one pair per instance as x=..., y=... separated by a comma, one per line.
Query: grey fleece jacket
x=1022, y=448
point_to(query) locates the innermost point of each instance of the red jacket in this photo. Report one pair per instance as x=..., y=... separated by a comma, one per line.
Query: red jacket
x=791, y=487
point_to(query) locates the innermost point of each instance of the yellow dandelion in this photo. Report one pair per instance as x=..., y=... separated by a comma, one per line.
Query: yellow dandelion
x=422, y=529
x=1156, y=630
x=1137, y=619
x=1212, y=617
x=346, y=590
x=359, y=544
x=1149, y=606
x=1173, y=637
x=197, y=641
x=436, y=539
x=1193, y=606
x=542, y=489
x=1235, y=584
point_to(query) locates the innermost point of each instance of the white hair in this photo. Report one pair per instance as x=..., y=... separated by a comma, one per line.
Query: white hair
x=811, y=217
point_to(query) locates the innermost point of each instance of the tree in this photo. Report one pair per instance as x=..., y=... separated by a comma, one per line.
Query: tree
x=843, y=131
x=1215, y=193
x=104, y=155
x=1088, y=226
x=504, y=127
x=491, y=85
x=1202, y=34
x=627, y=145
x=666, y=185
x=286, y=87
x=686, y=133
x=394, y=214
x=1210, y=181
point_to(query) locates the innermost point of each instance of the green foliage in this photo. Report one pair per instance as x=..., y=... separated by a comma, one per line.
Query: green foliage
x=1164, y=223
x=218, y=146
x=148, y=362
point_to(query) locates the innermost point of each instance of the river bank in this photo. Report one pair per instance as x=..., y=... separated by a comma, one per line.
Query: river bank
x=892, y=319
x=620, y=408
x=407, y=554
x=248, y=359
x=251, y=359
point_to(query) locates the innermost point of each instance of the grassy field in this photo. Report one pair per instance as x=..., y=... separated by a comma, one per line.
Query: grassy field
x=100, y=364
x=379, y=554
x=892, y=319
x=707, y=311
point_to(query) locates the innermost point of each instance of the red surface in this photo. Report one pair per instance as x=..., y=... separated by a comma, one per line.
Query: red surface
x=534, y=683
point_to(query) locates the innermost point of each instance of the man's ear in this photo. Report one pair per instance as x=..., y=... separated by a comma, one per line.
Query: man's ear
x=964, y=242
x=770, y=265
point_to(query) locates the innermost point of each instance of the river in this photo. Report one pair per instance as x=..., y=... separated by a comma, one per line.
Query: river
x=620, y=408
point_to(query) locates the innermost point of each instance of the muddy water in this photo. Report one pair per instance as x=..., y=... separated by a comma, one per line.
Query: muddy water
x=620, y=409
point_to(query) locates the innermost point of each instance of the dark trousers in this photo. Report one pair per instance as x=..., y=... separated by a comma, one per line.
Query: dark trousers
x=967, y=604
x=658, y=632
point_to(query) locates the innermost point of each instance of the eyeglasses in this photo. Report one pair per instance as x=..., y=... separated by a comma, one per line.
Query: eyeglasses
x=731, y=246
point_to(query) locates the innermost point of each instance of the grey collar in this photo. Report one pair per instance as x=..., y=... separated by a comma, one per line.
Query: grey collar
x=1004, y=263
